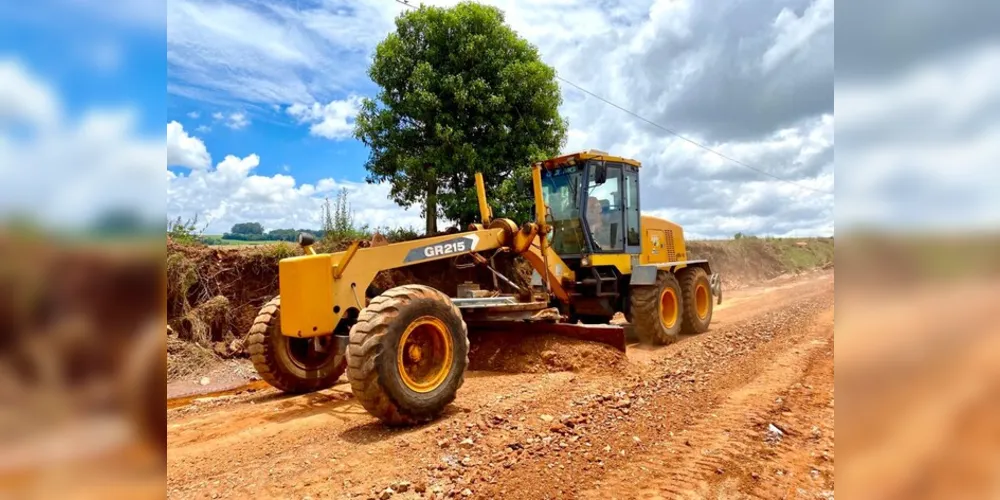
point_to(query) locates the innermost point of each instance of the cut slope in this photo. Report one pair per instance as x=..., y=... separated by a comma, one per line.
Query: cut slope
x=748, y=260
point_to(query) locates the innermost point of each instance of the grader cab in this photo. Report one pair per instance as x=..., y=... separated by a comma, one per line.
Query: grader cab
x=405, y=351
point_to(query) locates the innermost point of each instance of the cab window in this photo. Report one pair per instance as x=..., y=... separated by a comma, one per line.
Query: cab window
x=604, y=213
x=632, y=207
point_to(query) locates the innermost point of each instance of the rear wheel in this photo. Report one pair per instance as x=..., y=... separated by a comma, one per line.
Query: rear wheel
x=408, y=354
x=656, y=310
x=288, y=363
x=697, y=301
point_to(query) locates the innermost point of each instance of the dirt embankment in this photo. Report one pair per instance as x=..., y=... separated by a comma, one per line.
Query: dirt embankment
x=215, y=293
x=749, y=260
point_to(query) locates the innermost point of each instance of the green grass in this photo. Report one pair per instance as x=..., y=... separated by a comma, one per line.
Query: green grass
x=218, y=241
x=816, y=253
x=244, y=242
x=767, y=256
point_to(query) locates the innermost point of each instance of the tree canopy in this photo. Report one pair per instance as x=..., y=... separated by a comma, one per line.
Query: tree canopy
x=247, y=228
x=460, y=92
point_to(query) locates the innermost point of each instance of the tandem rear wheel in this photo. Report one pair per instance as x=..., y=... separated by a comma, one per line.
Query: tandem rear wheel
x=656, y=310
x=675, y=304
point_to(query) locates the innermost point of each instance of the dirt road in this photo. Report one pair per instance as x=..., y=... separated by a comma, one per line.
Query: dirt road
x=744, y=410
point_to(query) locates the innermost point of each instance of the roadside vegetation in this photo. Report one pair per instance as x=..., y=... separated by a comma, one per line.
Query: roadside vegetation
x=217, y=284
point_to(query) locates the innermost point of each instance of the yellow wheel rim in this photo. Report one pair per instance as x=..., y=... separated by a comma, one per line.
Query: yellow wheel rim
x=701, y=301
x=425, y=354
x=668, y=308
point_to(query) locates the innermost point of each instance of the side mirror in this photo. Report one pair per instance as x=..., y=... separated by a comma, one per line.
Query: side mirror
x=600, y=173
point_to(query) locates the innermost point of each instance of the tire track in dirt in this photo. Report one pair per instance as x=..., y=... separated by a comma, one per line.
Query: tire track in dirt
x=803, y=463
x=733, y=452
x=919, y=371
x=610, y=428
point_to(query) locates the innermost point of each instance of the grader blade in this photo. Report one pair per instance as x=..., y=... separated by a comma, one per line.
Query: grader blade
x=612, y=335
x=506, y=314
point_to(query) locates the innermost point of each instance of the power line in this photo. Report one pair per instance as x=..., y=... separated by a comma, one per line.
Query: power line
x=691, y=141
x=671, y=132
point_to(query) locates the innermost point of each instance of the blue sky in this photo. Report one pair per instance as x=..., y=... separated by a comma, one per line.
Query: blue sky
x=283, y=145
x=86, y=87
x=89, y=59
x=81, y=109
x=271, y=88
x=277, y=96
x=260, y=99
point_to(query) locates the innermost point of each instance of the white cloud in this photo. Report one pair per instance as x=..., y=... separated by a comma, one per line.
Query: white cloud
x=203, y=129
x=335, y=120
x=921, y=145
x=25, y=98
x=142, y=13
x=184, y=150
x=275, y=52
x=237, y=121
x=194, y=115
x=67, y=171
x=698, y=68
x=231, y=193
x=793, y=32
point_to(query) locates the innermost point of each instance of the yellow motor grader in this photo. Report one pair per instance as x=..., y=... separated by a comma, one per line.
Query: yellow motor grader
x=405, y=351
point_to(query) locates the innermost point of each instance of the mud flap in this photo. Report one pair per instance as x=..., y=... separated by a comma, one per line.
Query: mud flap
x=643, y=275
x=715, y=282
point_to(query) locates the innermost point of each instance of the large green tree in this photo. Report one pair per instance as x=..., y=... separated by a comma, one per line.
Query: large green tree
x=460, y=92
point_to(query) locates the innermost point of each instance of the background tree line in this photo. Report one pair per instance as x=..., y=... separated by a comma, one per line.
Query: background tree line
x=336, y=219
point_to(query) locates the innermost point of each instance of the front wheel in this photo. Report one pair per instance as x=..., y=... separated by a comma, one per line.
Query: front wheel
x=408, y=354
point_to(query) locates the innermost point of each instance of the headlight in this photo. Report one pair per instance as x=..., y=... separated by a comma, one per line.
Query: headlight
x=585, y=261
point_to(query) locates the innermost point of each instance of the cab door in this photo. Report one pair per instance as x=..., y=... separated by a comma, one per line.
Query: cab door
x=633, y=230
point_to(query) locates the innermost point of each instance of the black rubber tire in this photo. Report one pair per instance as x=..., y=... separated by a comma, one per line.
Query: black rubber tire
x=645, y=311
x=372, y=364
x=271, y=354
x=690, y=279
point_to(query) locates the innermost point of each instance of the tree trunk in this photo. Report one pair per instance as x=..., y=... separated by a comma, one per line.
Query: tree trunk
x=431, y=209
